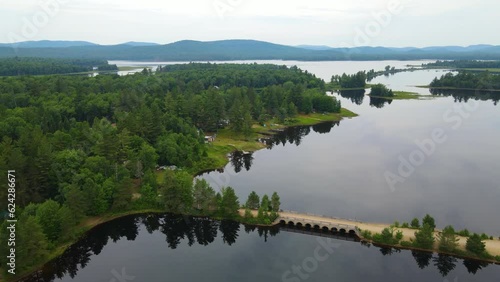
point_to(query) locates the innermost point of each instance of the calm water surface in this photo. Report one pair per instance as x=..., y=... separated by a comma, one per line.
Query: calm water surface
x=335, y=169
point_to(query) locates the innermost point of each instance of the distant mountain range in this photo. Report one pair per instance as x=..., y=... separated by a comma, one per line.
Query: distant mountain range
x=189, y=50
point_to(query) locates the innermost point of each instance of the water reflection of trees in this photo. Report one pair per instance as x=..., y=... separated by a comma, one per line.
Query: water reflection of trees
x=444, y=263
x=294, y=135
x=379, y=102
x=466, y=95
x=356, y=96
x=203, y=231
x=240, y=160
x=176, y=229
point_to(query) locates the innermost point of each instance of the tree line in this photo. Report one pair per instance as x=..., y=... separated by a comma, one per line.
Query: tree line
x=44, y=66
x=482, y=81
x=349, y=81
x=446, y=240
x=464, y=64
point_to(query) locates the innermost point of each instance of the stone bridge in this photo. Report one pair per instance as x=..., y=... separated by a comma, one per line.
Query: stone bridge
x=318, y=223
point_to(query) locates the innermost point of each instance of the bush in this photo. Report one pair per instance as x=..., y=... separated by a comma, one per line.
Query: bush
x=381, y=91
x=405, y=244
x=484, y=236
x=405, y=225
x=396, y=224
x=387, y=237
x=464, y=233
x=366, y=234
x=497, y=258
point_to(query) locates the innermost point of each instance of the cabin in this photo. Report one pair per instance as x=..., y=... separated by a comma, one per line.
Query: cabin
x=210, y=138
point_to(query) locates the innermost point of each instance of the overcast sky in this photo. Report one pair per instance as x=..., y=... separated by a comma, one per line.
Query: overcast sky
x=316, y=22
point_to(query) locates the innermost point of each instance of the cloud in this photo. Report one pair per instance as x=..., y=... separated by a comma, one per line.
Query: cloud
x=422, y=22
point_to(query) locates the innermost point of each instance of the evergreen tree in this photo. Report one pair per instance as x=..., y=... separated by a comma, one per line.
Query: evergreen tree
x=447, y=239
x=275, y=202
x=253, y=201
x=229, y=203
x=475, y=245
x=265, y=204
x=424, y=238
x=429, y=221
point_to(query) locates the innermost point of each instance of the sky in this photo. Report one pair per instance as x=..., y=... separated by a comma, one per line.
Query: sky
x=347, y=23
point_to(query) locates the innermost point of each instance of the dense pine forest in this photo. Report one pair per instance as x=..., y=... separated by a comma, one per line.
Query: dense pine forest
x=483, y=81
x=42, y=66
x=86, y=146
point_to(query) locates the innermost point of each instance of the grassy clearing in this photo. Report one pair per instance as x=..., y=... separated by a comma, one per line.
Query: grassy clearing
x=336, y=87
x=228, y=141
x=403, y=95
x=129, y=68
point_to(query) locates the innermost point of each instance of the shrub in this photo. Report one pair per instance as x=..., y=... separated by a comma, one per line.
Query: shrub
x=464, y=233
x=484, y=236
x=475, y=244
x=366, y=234
x=387, y=237
x=405, y=244
x=381, y=90
x=405, y=225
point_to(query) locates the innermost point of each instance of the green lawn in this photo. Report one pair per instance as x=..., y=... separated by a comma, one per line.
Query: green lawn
x=228, y=141
x=403, y=95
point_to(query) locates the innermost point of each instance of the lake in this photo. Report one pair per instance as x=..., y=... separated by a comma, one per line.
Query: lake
x=344, y=169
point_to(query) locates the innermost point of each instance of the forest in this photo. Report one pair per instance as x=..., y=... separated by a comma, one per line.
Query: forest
x=43, y=66
x=350, y=81
x=87, y=146
x=465, y=64
x=483, y=81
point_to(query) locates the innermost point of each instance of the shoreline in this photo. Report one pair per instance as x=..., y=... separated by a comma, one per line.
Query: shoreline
x=492, y=246
x=229, y=142
x=459, y=89
x=94, y=222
